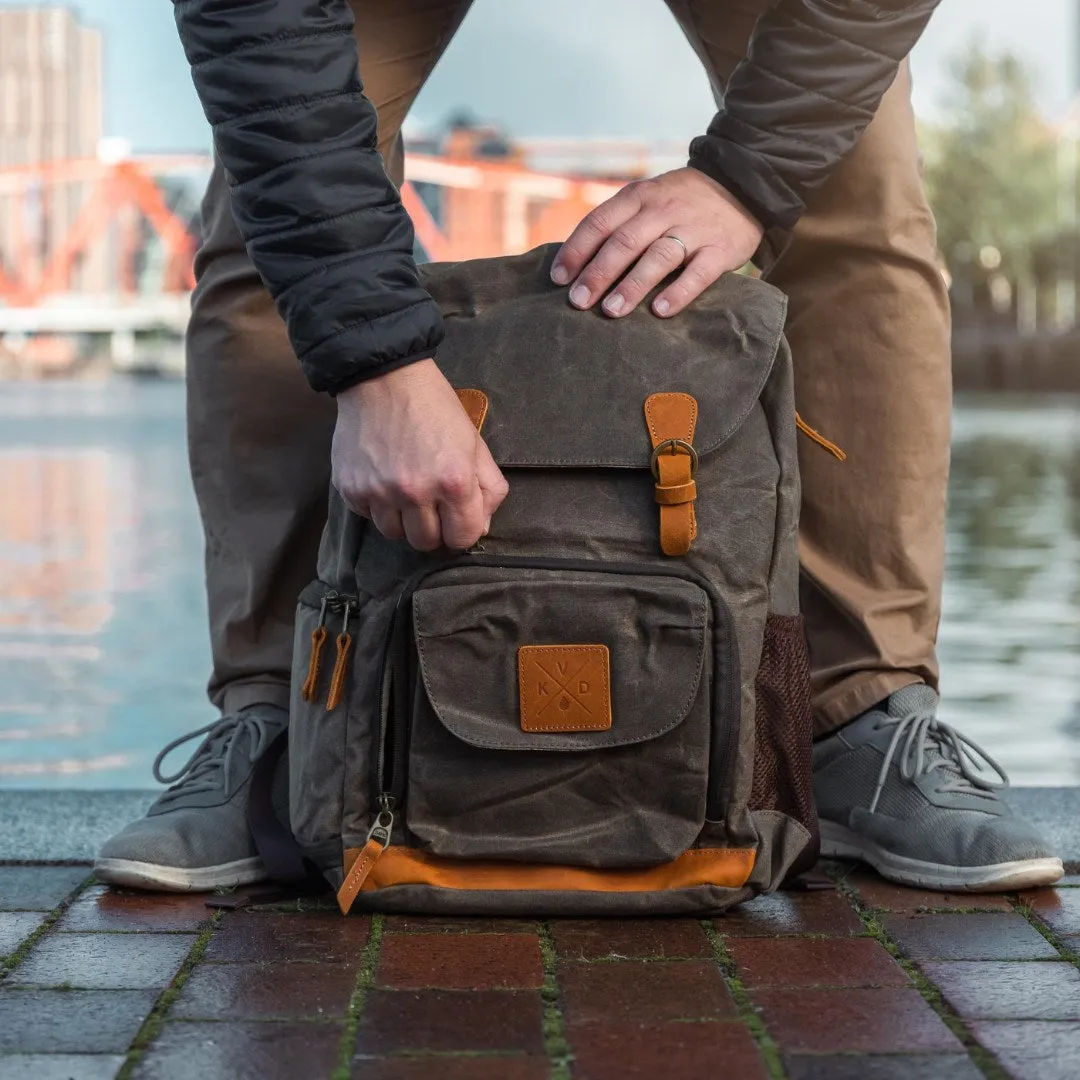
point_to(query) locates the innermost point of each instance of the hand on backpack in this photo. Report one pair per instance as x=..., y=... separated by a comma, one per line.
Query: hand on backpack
x=651, y=228
x=406, y=455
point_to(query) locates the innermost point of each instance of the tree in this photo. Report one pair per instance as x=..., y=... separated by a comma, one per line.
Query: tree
x=992, y=176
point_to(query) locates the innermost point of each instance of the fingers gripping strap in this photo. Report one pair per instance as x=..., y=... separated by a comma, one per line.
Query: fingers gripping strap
x=674, y=416
x=475, y=403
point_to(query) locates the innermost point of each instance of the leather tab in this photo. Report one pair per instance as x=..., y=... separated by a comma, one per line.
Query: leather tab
x=564, y=687
x=363, y=864
x=475, y=403
x=676, y=494
x=674, y=416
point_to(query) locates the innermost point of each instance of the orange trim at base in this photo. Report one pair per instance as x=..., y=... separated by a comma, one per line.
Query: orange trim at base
x=727, y=868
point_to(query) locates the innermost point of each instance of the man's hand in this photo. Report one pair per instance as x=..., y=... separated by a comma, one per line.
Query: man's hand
x=633, y=231
x=406, y=455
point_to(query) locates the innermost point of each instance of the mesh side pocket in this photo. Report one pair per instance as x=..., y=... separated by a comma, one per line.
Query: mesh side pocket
x=782, y=750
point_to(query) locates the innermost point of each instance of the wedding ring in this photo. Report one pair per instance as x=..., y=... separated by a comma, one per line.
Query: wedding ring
x=685, y=249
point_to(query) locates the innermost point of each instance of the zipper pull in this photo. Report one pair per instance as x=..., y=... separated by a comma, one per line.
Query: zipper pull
x=344, y=647
x=310, y=691
x=384, y=821
x=378, y=840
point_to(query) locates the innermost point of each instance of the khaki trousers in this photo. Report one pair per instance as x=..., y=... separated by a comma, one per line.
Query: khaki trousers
x=868, y=327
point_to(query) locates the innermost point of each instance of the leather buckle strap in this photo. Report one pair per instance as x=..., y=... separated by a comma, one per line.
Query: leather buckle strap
x=673, y=446
x=671, y=419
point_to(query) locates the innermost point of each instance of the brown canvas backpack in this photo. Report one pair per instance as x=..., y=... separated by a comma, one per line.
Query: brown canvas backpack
x=604, y=707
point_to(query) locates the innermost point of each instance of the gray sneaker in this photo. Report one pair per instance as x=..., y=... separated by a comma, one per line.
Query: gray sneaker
x=909, y=794
x=196, y=836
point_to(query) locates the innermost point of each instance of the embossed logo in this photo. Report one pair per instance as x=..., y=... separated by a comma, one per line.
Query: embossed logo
x=564, y=687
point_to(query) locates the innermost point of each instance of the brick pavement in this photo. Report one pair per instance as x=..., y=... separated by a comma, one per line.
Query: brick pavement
x=863, y=981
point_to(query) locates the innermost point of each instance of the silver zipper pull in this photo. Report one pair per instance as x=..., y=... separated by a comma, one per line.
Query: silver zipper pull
x=384, y=821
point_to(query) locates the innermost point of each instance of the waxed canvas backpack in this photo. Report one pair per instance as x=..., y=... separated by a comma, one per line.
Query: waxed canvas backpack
x=604, y=707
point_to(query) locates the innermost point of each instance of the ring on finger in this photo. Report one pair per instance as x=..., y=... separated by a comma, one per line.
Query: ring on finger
x=685, y=249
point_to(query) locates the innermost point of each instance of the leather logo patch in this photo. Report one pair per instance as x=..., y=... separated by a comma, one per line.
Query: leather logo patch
x=564, y=687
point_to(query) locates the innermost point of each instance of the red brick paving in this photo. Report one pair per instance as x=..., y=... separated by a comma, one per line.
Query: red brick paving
x=461, y=962
x=671, y=1051
x=1059, y=909
x=462, y=999
x=882, y=895
x=408, y=924
x=629, y=993
x=451, y=1020
x=100, y=908
x=882, y=1021
x=630, y=939
x=275, y=938
x=819, y=912
x=816, y=962
x=489, y=1067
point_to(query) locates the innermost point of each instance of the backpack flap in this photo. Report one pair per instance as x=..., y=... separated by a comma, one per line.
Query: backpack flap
x=573, y=394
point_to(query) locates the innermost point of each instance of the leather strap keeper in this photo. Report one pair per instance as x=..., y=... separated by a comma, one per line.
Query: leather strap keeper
x=674, y=416
x=676, y=494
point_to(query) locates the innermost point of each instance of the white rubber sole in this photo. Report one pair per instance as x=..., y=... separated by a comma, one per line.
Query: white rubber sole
x=840, y=842
x=141, y=875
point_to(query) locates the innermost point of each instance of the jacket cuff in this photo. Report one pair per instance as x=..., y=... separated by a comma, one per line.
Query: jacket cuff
x=366, y=376
x=776, y=236
x=366, y=349
x=750, y=178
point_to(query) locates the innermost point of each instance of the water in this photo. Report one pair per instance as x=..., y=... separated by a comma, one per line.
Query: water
x=103, y=645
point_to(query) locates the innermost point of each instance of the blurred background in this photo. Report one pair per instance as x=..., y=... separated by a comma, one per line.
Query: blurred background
x=537, y=112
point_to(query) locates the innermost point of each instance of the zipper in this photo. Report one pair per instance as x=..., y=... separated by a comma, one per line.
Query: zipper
x=332, y=603
x=396, y=687
x=378, y=840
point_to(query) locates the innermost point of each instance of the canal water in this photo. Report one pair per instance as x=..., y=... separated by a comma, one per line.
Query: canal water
x=103, y=647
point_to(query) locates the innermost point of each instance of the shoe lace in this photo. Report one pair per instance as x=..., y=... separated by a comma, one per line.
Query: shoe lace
x=208, y=768
x=930, y=744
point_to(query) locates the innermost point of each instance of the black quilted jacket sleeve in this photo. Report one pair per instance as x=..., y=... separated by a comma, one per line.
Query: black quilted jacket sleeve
x=325, y=228
x=323, y=225
x=814, y=75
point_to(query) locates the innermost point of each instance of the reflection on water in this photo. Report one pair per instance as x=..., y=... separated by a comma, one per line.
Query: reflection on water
x=103, y=651
x=1010, y=635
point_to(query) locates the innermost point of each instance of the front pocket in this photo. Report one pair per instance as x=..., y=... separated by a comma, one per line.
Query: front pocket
x=591, y=746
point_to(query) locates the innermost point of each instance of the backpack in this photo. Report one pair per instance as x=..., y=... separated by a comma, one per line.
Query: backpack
x=604, y=707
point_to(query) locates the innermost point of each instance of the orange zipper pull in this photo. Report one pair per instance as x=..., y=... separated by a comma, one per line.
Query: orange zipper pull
x=820, y=439
x=378, y=841
x=310, y=691
x=337, y=681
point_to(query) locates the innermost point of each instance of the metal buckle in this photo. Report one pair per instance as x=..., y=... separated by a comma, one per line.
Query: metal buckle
x=673, y=446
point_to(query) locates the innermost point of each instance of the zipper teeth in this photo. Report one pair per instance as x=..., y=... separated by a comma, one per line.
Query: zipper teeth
x=336, y=601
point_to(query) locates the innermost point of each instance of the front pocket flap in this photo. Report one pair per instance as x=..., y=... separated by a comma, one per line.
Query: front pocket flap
x=471, y=624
